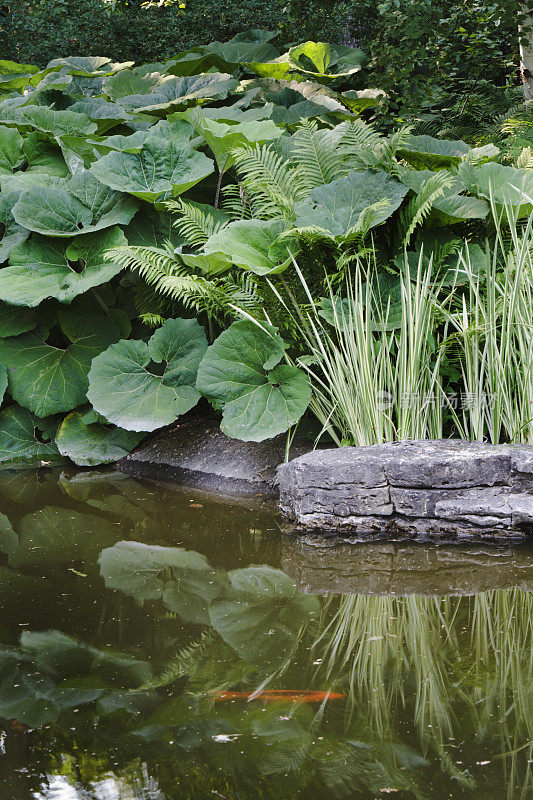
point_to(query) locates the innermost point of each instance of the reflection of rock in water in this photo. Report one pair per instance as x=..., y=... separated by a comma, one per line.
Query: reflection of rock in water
x=321, y=565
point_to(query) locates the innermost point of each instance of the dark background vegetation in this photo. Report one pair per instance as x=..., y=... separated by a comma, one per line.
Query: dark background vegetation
x=416, y=47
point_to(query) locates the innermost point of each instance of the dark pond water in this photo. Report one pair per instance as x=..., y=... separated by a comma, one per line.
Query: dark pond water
x=147, y=636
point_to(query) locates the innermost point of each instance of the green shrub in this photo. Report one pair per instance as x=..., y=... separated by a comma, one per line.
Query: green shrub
x=37, y=32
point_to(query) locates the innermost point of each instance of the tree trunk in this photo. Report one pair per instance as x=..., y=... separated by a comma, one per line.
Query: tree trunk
x=525, y=32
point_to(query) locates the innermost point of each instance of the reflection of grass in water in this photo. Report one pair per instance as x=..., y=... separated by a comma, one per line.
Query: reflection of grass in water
x=468, y=660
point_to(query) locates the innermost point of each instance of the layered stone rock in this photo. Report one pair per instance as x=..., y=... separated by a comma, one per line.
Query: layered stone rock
x=415, y=488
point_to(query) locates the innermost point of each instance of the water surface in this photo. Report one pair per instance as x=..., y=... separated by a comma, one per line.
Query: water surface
x=155, y=646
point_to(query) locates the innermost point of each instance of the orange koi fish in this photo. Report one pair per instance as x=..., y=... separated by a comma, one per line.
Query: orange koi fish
x=280, y=696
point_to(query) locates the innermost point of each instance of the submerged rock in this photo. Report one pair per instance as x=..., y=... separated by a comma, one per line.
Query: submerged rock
x=450, y=488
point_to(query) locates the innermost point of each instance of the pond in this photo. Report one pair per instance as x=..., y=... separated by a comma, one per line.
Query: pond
x=156, y=645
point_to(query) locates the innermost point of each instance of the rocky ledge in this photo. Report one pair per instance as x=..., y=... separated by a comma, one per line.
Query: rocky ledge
x=195, y=453
x=449, y=488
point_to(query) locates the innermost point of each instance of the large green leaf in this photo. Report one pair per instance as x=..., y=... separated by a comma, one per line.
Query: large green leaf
x=239, y=373
x=254, y=245
x=223, y=135
x=11, y=234
x=324, y=61
x=106, y=115
x=14, y=76
x=173, y=93
x=83, y=205
x=89, y=443
x=24, y=442
x=261, y=614
x=426, y=152
x=58, y=123
x=43, y=267
x=452, y=206
x=3, y=381
x=15, y=320
x=182, y=579
x=48, y=379
x=162, y=168
x=142, y=386
x=507, y=185
x=337, y=206
x=129, y=83
x=30, y=155
x=248, y=46
x=297, y=100
x=10, y=149
x=150, y=228
x=89, y=65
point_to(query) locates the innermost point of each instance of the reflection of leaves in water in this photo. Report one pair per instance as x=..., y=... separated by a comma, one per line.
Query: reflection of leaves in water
x=8, y=538
x=55, y=536
x=182, y=579
x=261, y=614
x=52, y=672
x=25, y=486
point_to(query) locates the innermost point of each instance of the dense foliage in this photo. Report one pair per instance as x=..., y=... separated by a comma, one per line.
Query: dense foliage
x=227, y=198
x=419, y=51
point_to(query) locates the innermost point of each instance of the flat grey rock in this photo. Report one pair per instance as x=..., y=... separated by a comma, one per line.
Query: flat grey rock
x=452, y=488
x=195, y=453
x=321, y=565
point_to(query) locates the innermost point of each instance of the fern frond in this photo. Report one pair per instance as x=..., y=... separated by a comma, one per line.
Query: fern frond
x=274, y=184
x=318, y=162
x=420, y=206
x=525, y=159
x=145, y=260
x=196, y=221
x=362, y=147
x=238, y=203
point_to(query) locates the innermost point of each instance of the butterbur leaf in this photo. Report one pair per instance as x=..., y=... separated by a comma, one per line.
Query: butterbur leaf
x=253, y=245
x=58, y=123
x=81, y=205
x=323, y=61
x=128, y=83
x=337, y=206
x=182, y=579
x=142, y=386
x=261, y=613
x=159, y=170
x=507, y=185
x=23, y=443
x=452, y=206
x=15, y=320
x=360, y=99
x=176, y=93
x=14, y=76
x=224, y=136
x=48, y=379
x=106, y=115
x=11, y=234
x=89, y=65
x=425, y=152
x=253, y=45
x=10, y=149
x=43, y=267
x=259, y=400
x=29, y=155
x=90, y=444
